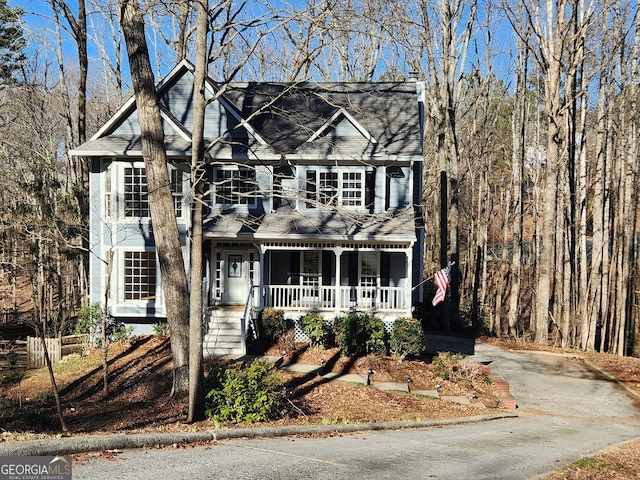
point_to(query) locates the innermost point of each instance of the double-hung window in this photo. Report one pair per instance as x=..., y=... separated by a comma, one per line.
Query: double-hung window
x=328, y=188
x=352, y=188
x=235, y=187
x=136, y=193
x=139, y=275
x=335, y=188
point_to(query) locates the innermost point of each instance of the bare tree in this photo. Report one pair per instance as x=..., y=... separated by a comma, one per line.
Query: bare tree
x=196, y=393
x=165, y=227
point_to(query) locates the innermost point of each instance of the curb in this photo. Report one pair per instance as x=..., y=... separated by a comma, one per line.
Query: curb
x=84, y=444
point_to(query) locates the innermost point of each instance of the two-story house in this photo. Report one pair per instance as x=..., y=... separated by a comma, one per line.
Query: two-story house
x=313, y=202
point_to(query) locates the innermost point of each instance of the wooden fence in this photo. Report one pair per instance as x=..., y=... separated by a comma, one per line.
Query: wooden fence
x=30, y=353
x=36, y=351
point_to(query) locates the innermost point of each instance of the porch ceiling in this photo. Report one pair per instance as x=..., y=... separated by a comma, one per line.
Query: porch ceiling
x=285, y=223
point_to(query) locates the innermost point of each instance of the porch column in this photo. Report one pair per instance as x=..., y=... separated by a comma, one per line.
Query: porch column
x=261, y=290
x=338, y=292
x=409, y=290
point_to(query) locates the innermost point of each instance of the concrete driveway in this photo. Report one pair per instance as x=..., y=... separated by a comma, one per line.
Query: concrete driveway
x=565, y=411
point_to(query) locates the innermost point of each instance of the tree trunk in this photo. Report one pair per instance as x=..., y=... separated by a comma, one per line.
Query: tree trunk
x=105, y=317
x=196, y=377
x=518, y=122
x=165, y=227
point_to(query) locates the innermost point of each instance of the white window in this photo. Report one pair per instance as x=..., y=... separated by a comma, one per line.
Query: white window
x=108, y=209
x=139, y=275
x=328, y=188
x=235, y=187
x=136, y=195
x=368, y=269
x=310, y=273
x=332, y=188
x=352, y=189
x=177, y=190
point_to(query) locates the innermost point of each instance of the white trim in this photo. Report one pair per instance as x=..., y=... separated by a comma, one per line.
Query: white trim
x=243, y=122
x=118, y=115
x=341, y=112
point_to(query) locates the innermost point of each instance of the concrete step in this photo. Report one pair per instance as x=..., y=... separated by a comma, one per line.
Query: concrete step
x=224, y=332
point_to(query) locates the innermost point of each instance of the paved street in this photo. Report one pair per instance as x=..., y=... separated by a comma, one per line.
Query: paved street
x=565, y=412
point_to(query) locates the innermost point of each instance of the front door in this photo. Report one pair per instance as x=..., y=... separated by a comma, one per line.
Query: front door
x=235, y=278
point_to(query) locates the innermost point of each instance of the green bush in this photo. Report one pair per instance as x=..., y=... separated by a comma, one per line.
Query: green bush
x=160, y=329
x=89, y=322
x=408, y=338
x=118, y=331
x=274, y=326
x=360, y=334
x=316, y=328
x=245, y=392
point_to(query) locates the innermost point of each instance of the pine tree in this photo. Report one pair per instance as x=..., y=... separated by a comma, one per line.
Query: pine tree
x=12, y=41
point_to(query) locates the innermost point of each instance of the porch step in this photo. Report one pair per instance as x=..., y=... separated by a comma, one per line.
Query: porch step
x=223, y=336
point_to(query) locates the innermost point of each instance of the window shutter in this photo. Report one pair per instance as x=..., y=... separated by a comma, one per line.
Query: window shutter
x=370, y=190
x=276, y=198
x=328, y=259
x=353, y=268
x=311, y=189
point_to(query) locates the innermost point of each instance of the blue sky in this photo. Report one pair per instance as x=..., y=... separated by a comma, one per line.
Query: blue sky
x=38, y=22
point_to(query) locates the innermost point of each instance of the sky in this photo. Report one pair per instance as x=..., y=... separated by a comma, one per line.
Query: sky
x=39, y=25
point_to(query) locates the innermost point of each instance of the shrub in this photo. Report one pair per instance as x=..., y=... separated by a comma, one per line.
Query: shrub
x=445, y=364
x=407, y=338
x=118, y=331
x=360, y=334
x=89, y=323
x=160, y=329
x=316, y=328
x=274, y=326
x=245, y=392
x=450, y=366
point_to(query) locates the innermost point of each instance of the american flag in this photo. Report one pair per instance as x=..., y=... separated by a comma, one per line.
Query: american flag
x=442, y=281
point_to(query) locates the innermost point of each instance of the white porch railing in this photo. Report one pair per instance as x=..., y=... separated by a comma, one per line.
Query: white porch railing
x=335, y=297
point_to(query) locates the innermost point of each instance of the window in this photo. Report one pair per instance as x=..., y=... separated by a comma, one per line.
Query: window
x=136, y=197
x=330, y=188
x=368, y=269
x=311, y=269
x=107, y=190
x=139, y=275
x=235, y=187
x=176, y=190
x=352, y=188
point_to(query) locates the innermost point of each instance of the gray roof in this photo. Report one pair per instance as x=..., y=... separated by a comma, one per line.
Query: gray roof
x=387, y=111
x=270, y=120
x=396, y=226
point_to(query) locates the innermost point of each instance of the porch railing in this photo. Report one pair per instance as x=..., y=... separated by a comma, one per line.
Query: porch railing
x=335, y=297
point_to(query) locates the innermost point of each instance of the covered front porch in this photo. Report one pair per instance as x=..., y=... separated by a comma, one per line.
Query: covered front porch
x=325, y=261
x=336, y=277
x=303, y=276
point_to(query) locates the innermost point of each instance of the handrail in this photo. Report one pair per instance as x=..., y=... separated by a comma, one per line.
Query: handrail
x=243, y=320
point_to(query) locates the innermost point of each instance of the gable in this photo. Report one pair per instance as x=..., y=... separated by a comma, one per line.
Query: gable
x=268, y=120
x=383, y=117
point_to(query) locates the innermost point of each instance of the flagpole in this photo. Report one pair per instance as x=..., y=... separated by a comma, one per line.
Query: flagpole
x=431, y=277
